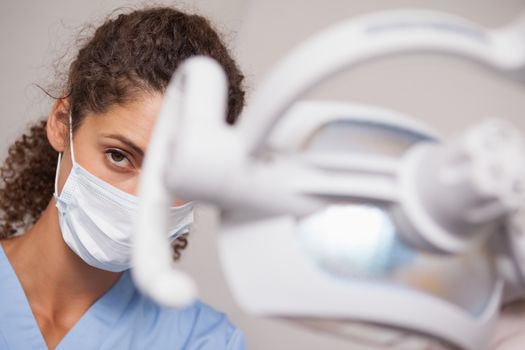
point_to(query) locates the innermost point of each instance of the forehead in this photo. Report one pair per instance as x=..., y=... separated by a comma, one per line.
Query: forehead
x=134, y=120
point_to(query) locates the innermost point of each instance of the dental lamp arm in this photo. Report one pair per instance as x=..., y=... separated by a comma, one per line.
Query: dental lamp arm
x=356, y=41
x=153, y=269
x=173, y=166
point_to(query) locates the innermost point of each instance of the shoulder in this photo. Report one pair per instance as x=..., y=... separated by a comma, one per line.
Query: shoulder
x=198, y=326
x=209, y=321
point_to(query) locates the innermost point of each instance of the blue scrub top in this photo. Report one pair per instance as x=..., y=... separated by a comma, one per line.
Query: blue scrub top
x=121, y=319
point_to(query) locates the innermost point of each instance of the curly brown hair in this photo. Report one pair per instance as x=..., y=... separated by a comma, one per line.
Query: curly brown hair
x=131, y=54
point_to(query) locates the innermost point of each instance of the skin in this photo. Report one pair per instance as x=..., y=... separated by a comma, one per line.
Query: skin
x=59, y=285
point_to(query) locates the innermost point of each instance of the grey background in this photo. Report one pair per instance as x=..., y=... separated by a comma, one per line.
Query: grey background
x=446, y=93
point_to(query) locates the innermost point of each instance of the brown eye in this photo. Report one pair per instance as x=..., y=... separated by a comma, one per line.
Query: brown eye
x=117, y=158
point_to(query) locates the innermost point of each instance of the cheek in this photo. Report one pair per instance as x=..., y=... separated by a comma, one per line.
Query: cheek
x=127, y=182
x=94, y=160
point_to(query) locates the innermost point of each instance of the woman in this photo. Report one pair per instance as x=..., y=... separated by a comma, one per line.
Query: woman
x=63, y=260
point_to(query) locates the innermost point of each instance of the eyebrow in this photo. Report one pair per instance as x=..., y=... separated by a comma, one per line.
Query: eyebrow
x=127, y=142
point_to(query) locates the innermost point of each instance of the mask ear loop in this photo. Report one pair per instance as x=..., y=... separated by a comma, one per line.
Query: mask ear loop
x=55, y=194
x=71, y=138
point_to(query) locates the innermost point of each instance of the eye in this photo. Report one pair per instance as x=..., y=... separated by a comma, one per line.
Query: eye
x=118, y=158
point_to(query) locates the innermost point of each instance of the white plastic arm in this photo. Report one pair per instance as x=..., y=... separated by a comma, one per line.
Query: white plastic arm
x=356, y=41
x=185, y=97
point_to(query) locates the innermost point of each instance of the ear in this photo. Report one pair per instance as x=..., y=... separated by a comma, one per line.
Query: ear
x=57, y=127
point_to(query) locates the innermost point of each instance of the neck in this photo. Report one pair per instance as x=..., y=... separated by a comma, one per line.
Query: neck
x=56, y=281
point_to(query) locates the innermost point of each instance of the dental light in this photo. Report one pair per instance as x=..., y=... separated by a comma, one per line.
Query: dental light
x=349, y=218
